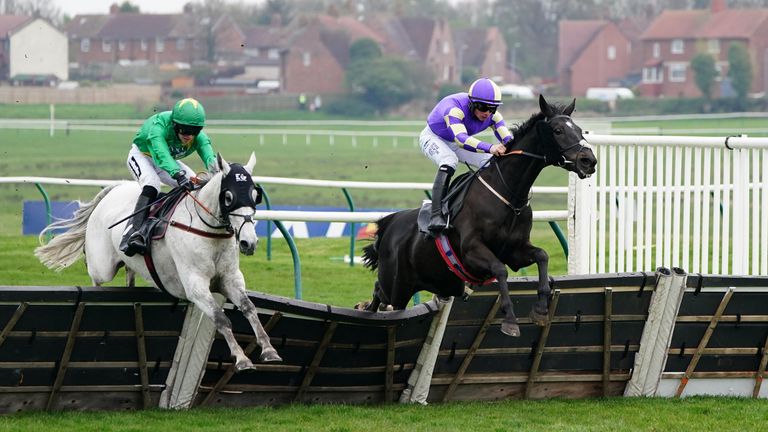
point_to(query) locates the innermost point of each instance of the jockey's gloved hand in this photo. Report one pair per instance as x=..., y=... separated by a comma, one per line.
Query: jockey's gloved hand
x=183, y=181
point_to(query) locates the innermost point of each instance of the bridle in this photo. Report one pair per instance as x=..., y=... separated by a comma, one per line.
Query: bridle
x=237, y=191
x=561, y=161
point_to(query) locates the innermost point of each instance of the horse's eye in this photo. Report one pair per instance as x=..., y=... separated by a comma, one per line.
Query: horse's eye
x=558, y=131
x=255, y=195
x=229, y=197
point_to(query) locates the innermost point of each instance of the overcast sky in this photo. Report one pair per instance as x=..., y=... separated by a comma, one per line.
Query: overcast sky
x=74, y=7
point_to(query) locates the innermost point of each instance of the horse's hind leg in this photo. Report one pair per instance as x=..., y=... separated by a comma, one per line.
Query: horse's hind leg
x=234, y=288
x=373, y=306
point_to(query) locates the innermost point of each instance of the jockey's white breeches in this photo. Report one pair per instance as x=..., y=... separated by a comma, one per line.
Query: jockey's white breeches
x=147, y=173
x=443, y=152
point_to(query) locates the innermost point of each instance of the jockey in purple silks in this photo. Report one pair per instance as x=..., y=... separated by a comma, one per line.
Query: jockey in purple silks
x=448, y=138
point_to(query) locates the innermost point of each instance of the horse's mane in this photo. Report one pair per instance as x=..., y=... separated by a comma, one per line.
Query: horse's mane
x=520, y=130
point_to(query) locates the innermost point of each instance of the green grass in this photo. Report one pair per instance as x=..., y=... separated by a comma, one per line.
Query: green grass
x=654, y=414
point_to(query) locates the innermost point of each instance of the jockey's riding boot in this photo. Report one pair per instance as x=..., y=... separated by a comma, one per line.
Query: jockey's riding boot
x=134, y=239
x=437, y=222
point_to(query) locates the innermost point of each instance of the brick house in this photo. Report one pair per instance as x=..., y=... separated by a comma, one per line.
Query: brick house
x=430, y=41
x=134, y=38
x=485, y=50
x=675, y=37
x=32, y=48
x=261, y=52
x=592, y=53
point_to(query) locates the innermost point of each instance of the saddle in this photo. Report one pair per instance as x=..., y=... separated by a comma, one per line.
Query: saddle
x=452, y=203
x=156, y=223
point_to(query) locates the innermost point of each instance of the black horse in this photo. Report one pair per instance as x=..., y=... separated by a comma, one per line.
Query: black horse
x=492, y=229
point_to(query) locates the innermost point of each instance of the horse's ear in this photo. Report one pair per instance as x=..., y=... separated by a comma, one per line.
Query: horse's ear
x=569, y=109
x=223, y=165
x=545, y=108
x=251, y=163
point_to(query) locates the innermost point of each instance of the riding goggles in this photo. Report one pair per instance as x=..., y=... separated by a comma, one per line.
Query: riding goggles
x=483, y=107
x=187, y=129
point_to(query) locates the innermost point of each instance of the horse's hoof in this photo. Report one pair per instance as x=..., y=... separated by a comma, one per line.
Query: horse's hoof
x=270, y=356
x=243, y=365
x=538, y=318
x=510, y=329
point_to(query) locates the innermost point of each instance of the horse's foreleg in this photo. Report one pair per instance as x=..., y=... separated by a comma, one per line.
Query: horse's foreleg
x=234, y=289
x=197, y=292
x=524, y=257
x=483, y=258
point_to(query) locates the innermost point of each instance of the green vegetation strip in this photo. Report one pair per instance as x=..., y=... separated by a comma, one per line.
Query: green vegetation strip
x=646, y=414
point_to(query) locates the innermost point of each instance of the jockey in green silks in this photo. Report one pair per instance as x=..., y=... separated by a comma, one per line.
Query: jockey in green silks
x=153, y=160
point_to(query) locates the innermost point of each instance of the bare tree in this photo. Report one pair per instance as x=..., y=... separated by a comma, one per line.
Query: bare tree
x=41, y=8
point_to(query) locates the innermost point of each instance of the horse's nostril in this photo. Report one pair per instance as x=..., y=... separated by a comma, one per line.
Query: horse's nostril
x=244, y=245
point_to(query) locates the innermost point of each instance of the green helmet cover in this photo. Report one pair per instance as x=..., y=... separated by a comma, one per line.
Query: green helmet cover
x=188, y=112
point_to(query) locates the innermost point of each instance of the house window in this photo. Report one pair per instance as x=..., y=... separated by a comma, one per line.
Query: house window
x=121, y=45
x=677, y=72
x=611, y=52
x=652, y=75
x=181, y=44
x=677, y=47
x=306, y=58
x=656, y=50
x=713, y=46
x=144, y=44
x=85, y=45
x=159, y=45
x=106, y=46
x=273, y=53
x=446, y=73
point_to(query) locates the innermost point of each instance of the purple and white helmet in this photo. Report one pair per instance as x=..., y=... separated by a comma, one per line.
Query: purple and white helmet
x=485, y=91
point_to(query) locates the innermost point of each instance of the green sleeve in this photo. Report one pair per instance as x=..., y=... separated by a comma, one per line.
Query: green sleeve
x=158, y=148
x=205, y=150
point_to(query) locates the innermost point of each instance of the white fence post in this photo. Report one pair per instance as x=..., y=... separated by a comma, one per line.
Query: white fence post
x=190, y=358
x=581, y=197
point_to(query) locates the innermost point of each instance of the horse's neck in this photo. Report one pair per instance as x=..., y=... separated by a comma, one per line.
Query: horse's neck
x=208, y=196
x=518, y=171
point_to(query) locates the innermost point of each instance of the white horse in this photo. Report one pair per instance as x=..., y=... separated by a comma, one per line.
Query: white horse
x=198, y=254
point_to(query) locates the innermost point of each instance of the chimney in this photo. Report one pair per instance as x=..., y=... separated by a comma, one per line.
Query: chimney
x=718, y=6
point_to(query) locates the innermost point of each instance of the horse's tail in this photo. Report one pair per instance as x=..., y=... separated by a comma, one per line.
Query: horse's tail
x=371, y=252
x=64, y=249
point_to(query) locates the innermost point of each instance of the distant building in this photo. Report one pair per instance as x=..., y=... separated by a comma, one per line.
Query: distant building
x=592, y=53
x=485, y=50
x=675, y=37
x=32, y=50
x=135, y=38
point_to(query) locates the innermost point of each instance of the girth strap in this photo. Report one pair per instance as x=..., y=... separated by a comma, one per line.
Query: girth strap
x=453, y=263
x=150, y=263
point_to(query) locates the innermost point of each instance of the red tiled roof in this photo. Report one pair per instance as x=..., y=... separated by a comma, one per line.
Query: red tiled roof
x=9, y=23
x=733, y=23
x=132, y=26
x=420, y=32
x=676, y=24
x=263, y=36
x=354, y=28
